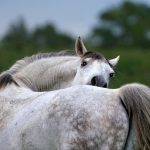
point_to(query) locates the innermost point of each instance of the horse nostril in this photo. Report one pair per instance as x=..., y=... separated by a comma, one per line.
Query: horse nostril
x=105, y=85
x=93, y=81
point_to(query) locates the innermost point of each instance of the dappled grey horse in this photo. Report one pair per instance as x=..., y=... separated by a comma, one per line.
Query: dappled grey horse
x=51, y=71
x=81, y=117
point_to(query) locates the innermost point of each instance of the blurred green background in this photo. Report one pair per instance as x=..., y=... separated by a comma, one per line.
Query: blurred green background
x=123, y=30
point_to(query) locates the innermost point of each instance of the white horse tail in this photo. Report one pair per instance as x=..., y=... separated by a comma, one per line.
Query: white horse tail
x=136, y=100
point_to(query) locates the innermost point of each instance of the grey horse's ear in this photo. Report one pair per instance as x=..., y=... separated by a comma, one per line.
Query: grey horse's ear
x=114, y=61
x=79, y=47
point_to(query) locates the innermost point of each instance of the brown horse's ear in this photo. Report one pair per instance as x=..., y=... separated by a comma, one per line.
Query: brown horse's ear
x=79, y=47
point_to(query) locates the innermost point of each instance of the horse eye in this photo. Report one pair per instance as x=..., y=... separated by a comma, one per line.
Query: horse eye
x=84, y=63
x=111, y=75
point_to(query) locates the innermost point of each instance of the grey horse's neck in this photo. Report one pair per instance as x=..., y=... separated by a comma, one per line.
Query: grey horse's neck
x=48, y=74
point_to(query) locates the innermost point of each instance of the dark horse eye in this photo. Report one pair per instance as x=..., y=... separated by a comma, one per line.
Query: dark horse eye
x=84, y=63
x=111, y=75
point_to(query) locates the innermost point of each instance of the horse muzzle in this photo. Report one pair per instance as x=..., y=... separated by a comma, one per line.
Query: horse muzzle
x=99, y=81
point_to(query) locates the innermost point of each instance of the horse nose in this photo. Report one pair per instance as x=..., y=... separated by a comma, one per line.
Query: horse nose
x=99, y=81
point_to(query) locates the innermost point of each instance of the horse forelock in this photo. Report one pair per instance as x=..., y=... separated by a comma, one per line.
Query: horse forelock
x=96, y=56
x=93, y=55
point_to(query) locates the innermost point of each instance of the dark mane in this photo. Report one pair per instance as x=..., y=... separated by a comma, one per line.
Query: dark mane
x=6, y=79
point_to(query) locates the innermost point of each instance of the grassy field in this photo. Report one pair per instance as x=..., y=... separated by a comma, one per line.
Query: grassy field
x=134, y=65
